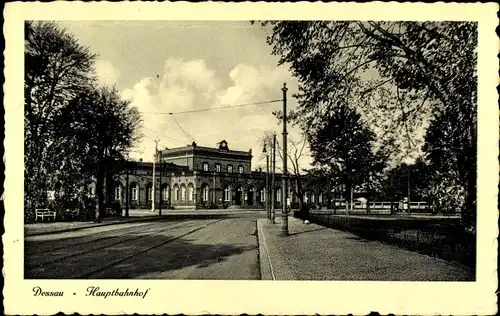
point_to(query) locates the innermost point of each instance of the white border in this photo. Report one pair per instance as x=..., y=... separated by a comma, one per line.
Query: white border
x=252, y=297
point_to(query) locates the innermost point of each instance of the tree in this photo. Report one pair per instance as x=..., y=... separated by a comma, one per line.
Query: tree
x=103, y=127
x=56, y=69
x=297, y=151
x=343, y=144
x=401, y=73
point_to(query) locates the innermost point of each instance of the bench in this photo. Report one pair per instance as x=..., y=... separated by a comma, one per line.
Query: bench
x=43, y=213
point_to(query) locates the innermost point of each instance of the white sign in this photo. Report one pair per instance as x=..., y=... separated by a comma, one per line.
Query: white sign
x=51, y=195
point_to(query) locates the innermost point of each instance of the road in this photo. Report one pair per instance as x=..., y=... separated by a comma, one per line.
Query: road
x=220, y=247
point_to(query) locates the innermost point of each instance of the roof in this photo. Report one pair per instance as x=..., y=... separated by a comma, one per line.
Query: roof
x=149, y=165
x=200, y=149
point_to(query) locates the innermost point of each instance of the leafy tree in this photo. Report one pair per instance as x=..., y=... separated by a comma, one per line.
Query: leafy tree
x=103, y=127
x=344, y=144
x=400, y=73
x=396, y=182
x=56, y=69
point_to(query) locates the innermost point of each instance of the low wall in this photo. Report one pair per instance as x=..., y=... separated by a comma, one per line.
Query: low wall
x=440, y=237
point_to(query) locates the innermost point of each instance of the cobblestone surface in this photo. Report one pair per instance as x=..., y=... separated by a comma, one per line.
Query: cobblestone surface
x=313, y=252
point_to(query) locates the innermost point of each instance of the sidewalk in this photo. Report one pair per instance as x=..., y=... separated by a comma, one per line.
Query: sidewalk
x=314, y=252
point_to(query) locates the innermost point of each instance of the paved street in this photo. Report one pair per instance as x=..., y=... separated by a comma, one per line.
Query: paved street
x=314, y=252
x=217, y=247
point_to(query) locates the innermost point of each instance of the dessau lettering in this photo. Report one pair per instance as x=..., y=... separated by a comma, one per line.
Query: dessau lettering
x=37, y=291
x=95, y=291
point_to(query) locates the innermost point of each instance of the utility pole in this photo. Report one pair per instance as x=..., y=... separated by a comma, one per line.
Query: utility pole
x=154, y=178
x=127, y=189
x=409, y=175
x=273, y=185
x=161, y=197
x=284, y=227
x=268, y=213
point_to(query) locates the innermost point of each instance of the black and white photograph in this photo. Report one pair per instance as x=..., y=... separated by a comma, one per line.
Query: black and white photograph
x=266, y=150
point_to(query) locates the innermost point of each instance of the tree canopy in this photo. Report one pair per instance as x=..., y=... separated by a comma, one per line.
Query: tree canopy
x=400, y=75
x=75, y=130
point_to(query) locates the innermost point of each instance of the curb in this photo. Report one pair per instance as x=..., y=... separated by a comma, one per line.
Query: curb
x=266, y=269
x=95, y=225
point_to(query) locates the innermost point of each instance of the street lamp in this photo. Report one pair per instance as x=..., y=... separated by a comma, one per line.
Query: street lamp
x=284, y=226
x=264, y=150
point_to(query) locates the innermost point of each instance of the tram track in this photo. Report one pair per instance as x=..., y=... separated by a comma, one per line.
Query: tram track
x=121, y=260
x=94, y=249
x=104, y=233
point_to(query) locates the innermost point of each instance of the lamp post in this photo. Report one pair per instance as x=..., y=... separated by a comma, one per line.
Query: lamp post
x=272, y=180
x=264, y=150
x=284, y=191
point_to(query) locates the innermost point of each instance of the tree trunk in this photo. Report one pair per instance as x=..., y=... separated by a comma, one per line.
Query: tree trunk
x=469, y=212
x=99, y=191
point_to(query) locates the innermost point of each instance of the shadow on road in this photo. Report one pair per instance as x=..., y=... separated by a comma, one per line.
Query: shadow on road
x=134, y=258
x=177, y=255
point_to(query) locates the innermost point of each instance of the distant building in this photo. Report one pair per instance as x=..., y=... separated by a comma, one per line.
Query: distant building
x=197, y=177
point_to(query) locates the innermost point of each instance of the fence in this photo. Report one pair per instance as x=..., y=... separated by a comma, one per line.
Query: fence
x=439, y=237
x=379, y=208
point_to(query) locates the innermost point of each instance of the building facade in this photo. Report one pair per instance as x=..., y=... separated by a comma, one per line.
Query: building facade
x=197, y=177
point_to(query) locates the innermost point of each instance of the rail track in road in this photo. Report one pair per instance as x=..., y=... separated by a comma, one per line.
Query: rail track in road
x=64, y=257
x=148, y=232
x=116, y=262
x=104, y=233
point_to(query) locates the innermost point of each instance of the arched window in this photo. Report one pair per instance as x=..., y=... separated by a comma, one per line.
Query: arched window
x=205, y=166
x=240, y=169
x=135, y=191
x=217, y=167
x=263, y=195
x=118, y=193
x=227, y=194
x=312, y=198
x=190, y=192
x=320, y=198
x=176, y=193
x=229, y=168
x=278, y=195
x=205, y=194
x=183, y=192
x=166, y=193
x=150, y=192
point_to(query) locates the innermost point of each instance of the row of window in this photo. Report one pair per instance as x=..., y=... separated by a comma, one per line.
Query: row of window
x=227, y=194
x=218, y=168
x=182, y=194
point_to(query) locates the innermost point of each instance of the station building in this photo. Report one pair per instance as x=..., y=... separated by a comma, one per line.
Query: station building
x=197, y=177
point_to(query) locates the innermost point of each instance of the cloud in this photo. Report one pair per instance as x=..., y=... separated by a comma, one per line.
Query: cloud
x=190, y=85
x=106, y=73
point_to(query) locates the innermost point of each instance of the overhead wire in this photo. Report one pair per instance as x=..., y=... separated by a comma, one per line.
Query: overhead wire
x=214, y=109
x=190, y=138
x=185, y=134
x=163, y=134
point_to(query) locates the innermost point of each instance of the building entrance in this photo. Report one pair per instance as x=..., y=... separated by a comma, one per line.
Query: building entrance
x=237, y=199
x=250, y=195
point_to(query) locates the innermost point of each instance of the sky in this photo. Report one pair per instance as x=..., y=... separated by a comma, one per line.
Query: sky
x=177, y=66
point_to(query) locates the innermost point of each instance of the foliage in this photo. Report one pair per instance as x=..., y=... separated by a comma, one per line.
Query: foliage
x=104, y=127
x=56, y=68
x=343, y=144
x=76, y=132
x=400, y=75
